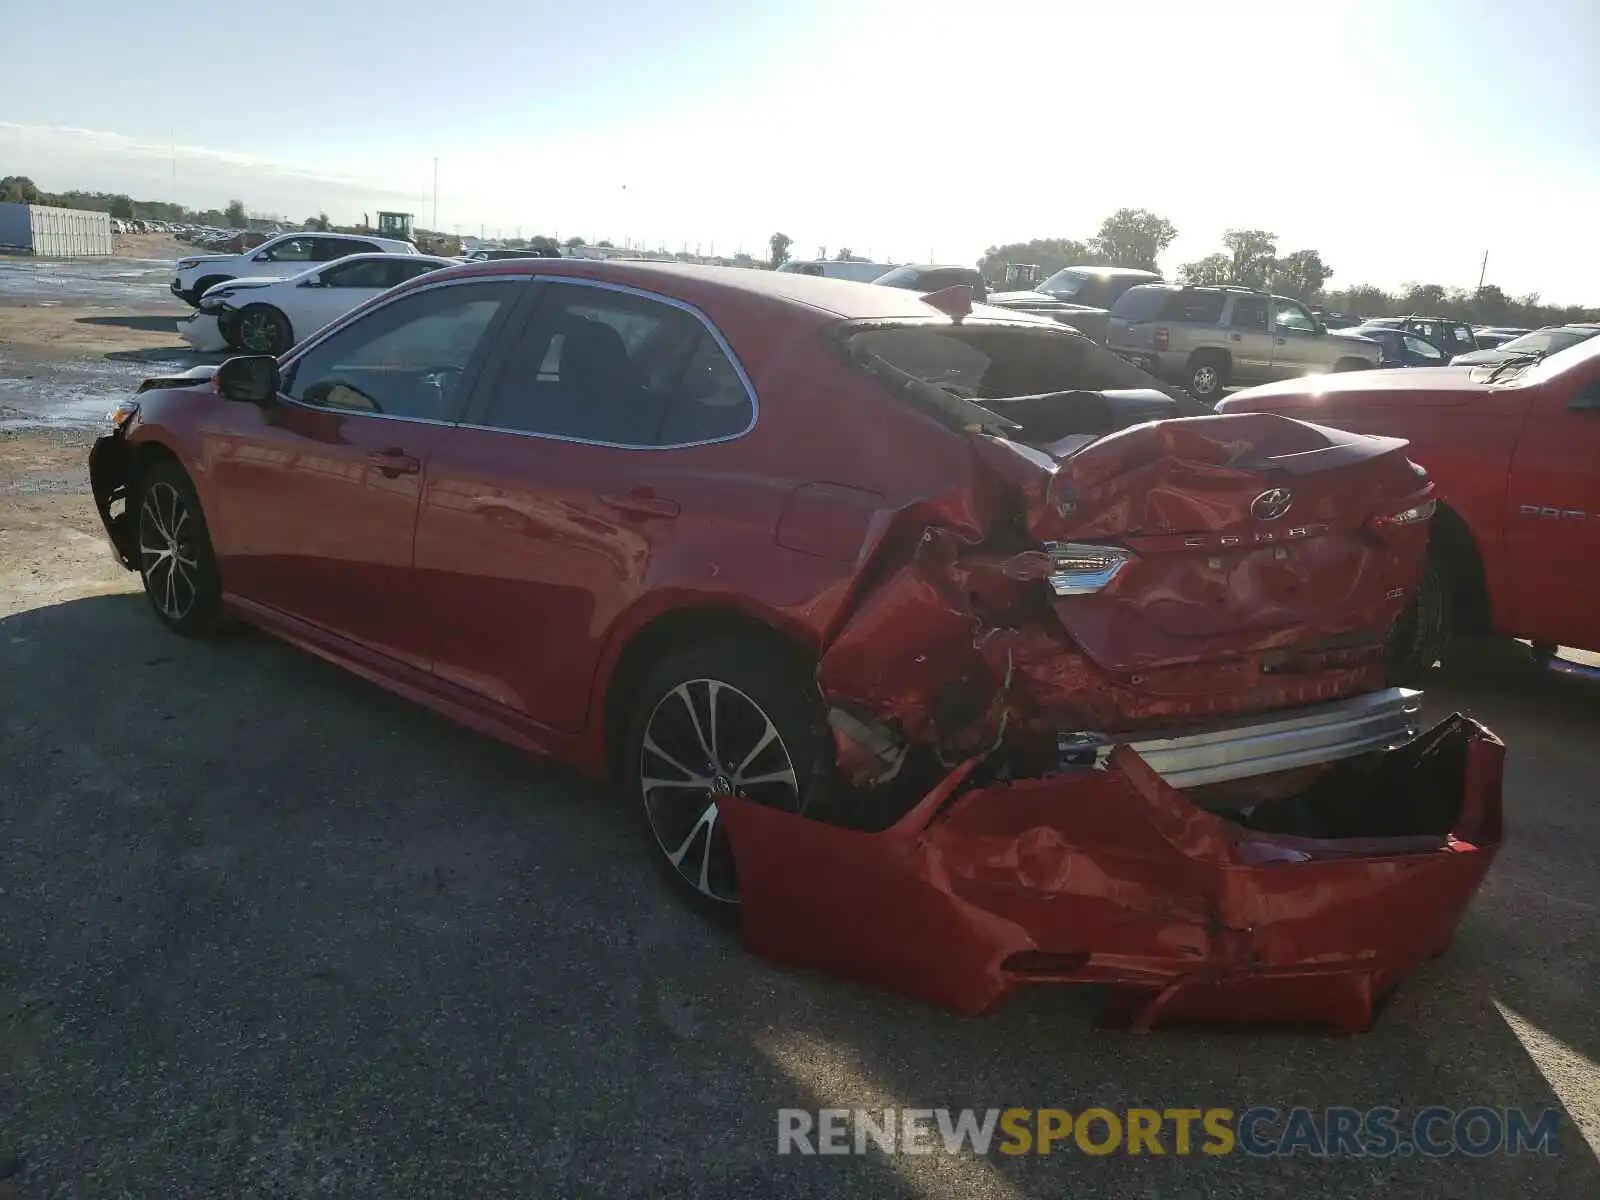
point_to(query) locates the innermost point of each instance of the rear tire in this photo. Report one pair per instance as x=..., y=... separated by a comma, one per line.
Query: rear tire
x=1422, y=635
x=1207, y=376
x=175, y=559
x=769, y=743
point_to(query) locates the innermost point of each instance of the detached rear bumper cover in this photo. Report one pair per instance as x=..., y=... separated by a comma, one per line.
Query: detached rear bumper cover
x=1109, y=875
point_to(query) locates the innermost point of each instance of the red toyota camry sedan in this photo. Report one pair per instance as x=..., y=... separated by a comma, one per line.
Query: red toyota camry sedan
x=946, y=644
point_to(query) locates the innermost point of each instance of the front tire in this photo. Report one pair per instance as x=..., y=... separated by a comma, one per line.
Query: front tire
x=201, y=288
x=261, y=329
x=176, y=562
x=737, y=716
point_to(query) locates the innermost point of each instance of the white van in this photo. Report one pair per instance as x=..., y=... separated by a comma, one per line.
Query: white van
x=861, y=272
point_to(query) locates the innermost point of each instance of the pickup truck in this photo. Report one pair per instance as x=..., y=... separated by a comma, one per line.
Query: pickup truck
x=1514, y=545
x=1078, y=296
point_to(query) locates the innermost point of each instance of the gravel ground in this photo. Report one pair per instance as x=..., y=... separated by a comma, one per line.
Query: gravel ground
x=269, y=932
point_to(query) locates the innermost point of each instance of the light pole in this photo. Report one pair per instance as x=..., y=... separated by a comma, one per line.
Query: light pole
x=436, y=195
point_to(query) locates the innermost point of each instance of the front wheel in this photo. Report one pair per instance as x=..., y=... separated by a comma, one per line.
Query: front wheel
x=176, y=562
x=735, y=717
x=261, y=329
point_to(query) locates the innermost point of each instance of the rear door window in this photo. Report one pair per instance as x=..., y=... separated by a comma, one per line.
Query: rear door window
x=1249, y=312
x=1204, y=308
x=597, y=365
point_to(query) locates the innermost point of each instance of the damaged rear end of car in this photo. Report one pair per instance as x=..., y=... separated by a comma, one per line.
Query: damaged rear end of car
x=1129, y=726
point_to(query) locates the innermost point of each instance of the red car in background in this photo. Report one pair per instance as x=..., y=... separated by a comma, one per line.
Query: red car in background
x=1514, y=449
x=939, y=639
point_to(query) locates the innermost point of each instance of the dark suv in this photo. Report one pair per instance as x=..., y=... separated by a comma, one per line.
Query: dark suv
x=1451, y=336
x=1207, y=338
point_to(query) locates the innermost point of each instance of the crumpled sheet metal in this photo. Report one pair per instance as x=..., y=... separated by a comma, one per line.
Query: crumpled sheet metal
x=1112, y=877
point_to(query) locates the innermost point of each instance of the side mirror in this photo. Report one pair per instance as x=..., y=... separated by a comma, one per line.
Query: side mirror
x=250, y=379
x=314, y=281
x=262, y=257
x=1586, y=398
x=1320, y=327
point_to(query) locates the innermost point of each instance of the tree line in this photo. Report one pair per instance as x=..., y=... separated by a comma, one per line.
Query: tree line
x=1129, y=237
x=1134, y=237
x=19, y=189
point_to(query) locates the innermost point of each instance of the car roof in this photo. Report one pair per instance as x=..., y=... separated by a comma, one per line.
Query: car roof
x=1153, y=276
x=710, y=286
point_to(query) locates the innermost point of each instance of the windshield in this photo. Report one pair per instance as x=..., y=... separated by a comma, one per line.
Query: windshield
x=1547, y=341
x=1064, y=284
x=900, y=277
x=1585, y=350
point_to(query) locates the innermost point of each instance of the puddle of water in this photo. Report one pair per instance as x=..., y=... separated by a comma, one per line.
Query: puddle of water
x=126, y=279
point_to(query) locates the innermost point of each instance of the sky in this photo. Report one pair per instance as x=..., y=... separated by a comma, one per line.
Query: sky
x=1402, y=140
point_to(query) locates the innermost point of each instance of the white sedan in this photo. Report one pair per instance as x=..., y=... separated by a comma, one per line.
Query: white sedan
x=267, y=316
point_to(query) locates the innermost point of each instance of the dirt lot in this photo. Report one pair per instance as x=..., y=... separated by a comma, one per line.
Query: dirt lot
x=268, y=931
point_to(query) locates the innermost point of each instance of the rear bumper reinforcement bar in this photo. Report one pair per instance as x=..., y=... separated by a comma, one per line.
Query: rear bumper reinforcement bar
x=1303, y=737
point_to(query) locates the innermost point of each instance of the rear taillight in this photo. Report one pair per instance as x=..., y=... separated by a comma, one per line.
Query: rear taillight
x=1412, y=515
x=1078, y=568
x=1163, y=338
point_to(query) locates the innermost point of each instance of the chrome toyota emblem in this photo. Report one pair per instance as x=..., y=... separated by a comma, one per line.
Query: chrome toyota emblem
x=1271, y=504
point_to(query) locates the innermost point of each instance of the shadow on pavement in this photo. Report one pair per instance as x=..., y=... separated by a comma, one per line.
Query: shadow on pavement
x=162, y=354
x=148, y=324
x=269, y=929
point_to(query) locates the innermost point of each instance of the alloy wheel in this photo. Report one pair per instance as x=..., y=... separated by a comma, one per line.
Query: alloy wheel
x=1205, y=380
x=258, y=332
x=169, y=550
x=706, y=739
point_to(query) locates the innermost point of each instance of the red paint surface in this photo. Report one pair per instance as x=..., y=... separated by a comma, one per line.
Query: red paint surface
x=1112, y=877
x=1495, y=451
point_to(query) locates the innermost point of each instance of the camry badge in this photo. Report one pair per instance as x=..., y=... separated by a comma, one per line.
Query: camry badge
x=1271, y=504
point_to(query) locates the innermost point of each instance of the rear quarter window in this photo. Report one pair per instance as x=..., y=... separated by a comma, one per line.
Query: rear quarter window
x=1141, y=303
x=1199, y=307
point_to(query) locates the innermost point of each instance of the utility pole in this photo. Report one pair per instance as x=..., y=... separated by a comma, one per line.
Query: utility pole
x=436, y=195
x=1483, y=270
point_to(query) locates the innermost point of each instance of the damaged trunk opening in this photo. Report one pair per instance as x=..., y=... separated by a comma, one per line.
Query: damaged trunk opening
x=1133, y=731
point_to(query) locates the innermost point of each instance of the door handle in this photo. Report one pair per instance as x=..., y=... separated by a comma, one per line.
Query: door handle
x=395, y=462
x=641, y=502
x=1280, y=341
x=1236, y=337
